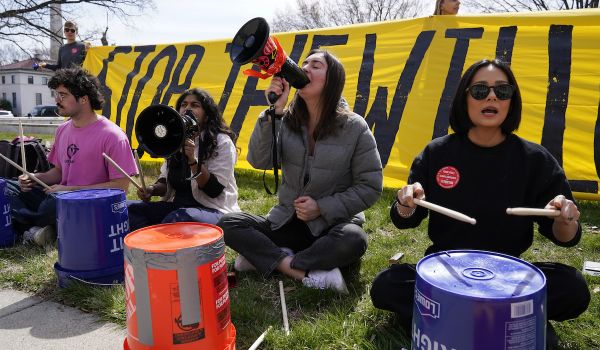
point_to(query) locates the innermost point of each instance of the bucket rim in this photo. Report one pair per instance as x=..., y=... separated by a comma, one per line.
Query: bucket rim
x=131, y=240
x=66, y=195
x=541, y=287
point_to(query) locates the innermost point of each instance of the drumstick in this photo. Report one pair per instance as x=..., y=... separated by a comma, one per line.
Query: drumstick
x=137, y=162
x=286, y=325
x=33, y=177
x=259, y=340
x=121, y=171
x=532, y=212
x=23, y=161
x=445, y=211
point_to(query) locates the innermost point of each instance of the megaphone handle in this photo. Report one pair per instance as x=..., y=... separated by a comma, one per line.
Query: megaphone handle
x=273, y=97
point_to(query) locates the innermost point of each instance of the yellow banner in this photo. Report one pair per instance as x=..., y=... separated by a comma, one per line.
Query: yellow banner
x=401, y=77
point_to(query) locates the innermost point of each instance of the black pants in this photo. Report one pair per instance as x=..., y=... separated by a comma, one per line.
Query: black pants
x=567, y=294
x=252, y=236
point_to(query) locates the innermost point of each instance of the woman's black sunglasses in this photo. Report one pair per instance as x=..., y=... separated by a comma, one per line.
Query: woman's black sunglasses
x=481, y=91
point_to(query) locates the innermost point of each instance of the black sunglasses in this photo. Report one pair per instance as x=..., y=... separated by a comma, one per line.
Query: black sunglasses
x=71, y=30
x=481, y=91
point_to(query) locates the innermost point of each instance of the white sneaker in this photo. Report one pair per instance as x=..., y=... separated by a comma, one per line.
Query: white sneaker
x=242, y=264
x=29, y=234
x=44, y=236
x=331, y=279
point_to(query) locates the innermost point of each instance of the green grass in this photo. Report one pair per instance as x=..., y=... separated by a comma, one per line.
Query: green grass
x=318, y=319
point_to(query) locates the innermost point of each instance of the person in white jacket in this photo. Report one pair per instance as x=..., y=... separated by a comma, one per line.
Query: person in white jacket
x=204, y=198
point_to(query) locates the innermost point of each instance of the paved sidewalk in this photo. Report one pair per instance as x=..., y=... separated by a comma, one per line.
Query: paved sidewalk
x=30, y=323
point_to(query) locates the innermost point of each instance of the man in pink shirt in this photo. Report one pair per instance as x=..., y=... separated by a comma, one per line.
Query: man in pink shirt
x=76, y=155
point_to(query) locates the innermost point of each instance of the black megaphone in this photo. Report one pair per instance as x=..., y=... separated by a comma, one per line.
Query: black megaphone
x=252, y=43
x=161, y=131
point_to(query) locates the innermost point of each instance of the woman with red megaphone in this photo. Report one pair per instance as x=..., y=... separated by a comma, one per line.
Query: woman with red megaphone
x=331, y=172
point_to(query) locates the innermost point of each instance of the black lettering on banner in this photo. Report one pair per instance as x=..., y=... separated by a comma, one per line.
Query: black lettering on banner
x=597, y=145
x=174, y=86
x=144, y=51
x=385, y=129
x=557, y=98
x=588, y=186
x=363, y=88
x=167, y=76
x=253, y=97
x=463, y=37
x=584, y=186
x=328, y=40
x=106, y=91
x=233, y=73
x=506, y=43
x=169, y=52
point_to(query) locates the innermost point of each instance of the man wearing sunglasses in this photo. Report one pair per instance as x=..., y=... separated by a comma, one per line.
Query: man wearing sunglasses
x=70, y=54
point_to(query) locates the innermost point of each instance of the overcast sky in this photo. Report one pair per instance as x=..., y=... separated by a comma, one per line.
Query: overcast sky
x=185, y=20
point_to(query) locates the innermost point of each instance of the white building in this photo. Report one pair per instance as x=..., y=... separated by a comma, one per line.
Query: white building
x=25, y=87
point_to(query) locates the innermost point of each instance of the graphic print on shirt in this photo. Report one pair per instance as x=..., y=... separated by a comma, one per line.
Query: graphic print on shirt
x=447, y=177
x=74, y=51
x=71, y=150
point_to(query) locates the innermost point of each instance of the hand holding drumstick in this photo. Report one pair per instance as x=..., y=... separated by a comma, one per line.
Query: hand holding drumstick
x=412, y=195
x=562, y=210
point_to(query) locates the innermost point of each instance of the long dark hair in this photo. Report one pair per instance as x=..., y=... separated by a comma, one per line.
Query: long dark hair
x=213, y=122
x=332, y=109
x=459, y=113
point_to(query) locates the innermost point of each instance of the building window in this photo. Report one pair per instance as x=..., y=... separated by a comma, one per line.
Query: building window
x=3, y=80
x=12, y=79
x=38, y=99
x=30, y=79
x=4, y=96
x=44, y=80
x=14, y=99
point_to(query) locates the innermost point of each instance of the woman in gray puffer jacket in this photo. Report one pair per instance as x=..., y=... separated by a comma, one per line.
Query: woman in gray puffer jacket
x=331, y=172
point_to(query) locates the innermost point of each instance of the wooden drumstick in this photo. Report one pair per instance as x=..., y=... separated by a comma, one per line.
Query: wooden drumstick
x=259, y=340
x=532, y=212
x=137, y=162
x=33, y=177
x=445, y=211
x=122, y=171
x=23, y=161
x=286, y=325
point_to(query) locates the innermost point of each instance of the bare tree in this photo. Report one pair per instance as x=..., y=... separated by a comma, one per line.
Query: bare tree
x=9, y=54
x=27, y=21
x=329, y=13
x=490, y=6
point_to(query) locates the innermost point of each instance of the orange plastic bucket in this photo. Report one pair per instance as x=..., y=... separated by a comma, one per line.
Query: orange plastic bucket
x=176, y=289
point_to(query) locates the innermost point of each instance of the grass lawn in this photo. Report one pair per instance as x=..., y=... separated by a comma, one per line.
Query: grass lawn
x=318, y=319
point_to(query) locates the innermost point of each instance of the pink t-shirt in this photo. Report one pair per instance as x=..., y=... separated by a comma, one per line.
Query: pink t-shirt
x=78, y=153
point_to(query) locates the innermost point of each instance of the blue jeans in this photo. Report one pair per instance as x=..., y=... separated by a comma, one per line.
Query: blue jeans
x=144, y=214
x=33, y=208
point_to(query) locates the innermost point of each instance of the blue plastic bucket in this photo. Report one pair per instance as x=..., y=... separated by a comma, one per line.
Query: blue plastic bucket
x=467, y=299
x=7, y=234
x=91, y=225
